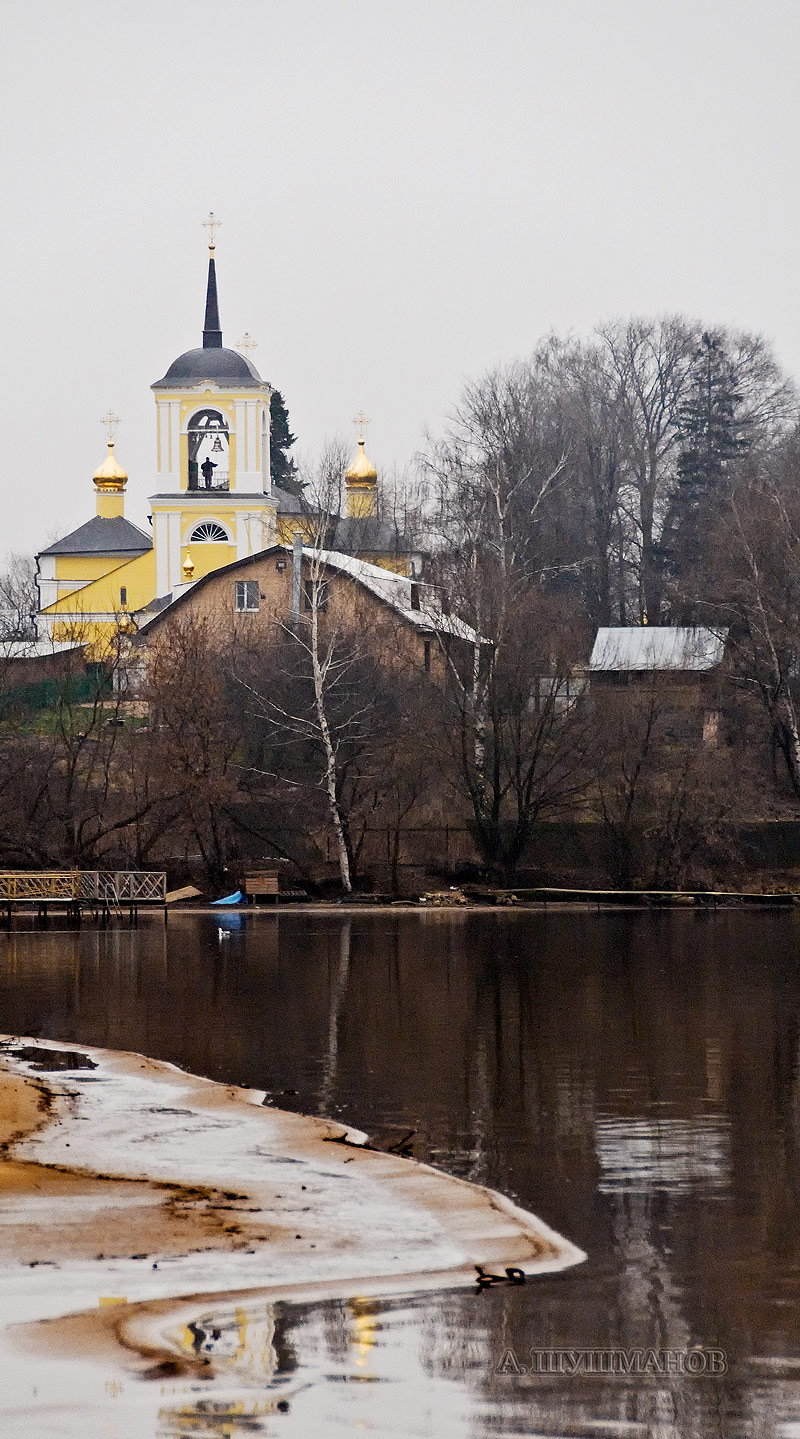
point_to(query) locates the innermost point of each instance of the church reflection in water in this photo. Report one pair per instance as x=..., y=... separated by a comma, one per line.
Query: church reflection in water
x=631, y=1078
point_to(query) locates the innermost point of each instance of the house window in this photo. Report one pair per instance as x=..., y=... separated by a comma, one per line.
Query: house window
x=315, y=589
x=561, y=693
x=123, y=594
x=247, y=595
x=209, y=534
x=426, y=656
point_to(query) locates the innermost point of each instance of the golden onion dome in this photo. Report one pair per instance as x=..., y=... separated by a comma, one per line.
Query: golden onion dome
x=110, y=475
x=361, y=472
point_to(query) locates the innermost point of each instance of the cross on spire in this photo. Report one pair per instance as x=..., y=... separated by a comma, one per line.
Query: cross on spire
x=246, y=345
x=110, y=421
x=212, y=224
x=361, y=420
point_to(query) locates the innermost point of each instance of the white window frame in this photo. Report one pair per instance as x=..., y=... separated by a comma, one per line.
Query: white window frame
x=245, y=591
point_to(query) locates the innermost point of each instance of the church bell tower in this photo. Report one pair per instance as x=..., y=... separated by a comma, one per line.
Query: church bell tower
x=212, y=443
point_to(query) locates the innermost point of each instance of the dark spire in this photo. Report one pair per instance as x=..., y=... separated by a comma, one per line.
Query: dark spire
x=212, y=334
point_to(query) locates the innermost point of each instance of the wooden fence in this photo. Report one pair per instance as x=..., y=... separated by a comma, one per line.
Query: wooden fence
x=92, y=886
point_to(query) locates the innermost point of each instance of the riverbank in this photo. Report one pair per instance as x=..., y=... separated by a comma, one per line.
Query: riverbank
x=133, y=1194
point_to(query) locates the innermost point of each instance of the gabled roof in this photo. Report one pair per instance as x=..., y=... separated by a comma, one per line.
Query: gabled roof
x=398, y=591
x=100, y=536
x=657, y=647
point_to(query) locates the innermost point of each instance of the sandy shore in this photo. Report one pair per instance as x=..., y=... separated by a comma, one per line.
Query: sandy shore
x=133, y=1195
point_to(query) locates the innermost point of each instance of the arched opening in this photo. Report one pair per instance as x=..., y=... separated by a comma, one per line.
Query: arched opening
x=209, y=451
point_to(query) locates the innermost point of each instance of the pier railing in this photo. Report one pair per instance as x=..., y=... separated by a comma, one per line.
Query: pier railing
x=124, y=886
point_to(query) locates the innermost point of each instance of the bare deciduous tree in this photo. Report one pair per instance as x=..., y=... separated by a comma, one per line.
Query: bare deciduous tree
x=19, y=597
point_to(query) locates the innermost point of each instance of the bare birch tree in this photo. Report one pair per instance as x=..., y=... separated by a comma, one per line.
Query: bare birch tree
x=328, y=704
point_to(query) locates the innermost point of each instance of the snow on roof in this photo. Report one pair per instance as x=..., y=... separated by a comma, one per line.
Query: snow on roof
x=37, y=649
x=396, y=590
x=657, y=647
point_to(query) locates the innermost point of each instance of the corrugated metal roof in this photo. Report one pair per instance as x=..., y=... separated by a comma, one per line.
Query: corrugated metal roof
x=657, y=647
x=100, y=536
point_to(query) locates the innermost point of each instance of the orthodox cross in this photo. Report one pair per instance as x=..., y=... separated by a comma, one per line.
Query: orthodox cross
x=246, y=345
x=212, y=224
x=362, y=421
x=110, y=421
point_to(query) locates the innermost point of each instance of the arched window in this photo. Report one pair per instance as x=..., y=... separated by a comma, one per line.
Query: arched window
x=209, y=463
x=208, y=533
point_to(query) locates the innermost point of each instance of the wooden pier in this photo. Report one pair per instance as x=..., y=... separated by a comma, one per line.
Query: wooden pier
x=101, y=894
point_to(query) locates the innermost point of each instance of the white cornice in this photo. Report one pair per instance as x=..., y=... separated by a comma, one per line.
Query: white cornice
x=210, y=497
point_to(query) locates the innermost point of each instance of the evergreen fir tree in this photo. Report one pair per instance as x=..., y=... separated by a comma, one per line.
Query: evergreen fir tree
x=283, y=470
x=711, y=428
x=713, y=434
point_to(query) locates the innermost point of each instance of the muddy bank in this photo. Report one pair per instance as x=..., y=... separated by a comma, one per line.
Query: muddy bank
x=132, y=1195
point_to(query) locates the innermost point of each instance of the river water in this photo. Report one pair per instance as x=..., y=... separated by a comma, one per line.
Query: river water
x=631, y=1078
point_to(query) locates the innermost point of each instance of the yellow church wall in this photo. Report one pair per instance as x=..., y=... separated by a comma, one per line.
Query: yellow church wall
x=110, y=506
x=224, y=513
x=102, y=596
x=211, y=509
x=287, y=527
x=361, y=501
x=207, y=400
x=86, y=567
x=396, y=564
x=208, y=557
x=97, y=636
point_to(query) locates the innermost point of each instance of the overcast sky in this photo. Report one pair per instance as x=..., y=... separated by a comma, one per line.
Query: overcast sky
x=410, y=192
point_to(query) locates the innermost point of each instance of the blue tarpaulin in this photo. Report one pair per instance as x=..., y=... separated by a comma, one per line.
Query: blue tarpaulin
x=237, y=898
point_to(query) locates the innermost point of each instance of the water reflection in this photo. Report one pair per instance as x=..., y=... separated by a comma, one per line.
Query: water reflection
x=338, y=993
x=419, y=1367
x=631, y=1078
x=637, y=1155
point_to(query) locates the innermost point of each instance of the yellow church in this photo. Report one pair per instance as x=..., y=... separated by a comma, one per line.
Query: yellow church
x=215, y=502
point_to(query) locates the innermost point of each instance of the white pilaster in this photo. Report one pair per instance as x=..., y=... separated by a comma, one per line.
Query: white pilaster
x=161, y=542
x=175, y=443
x=248, y=448
x=264, y=427
x=48, y=593
x=174, y=546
